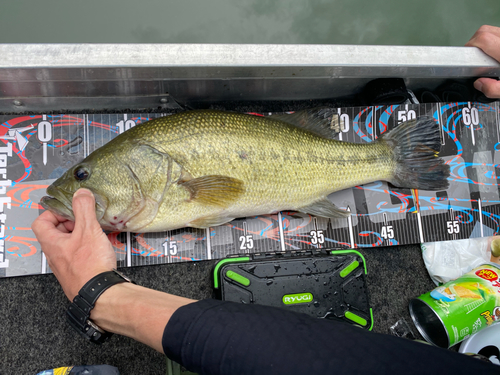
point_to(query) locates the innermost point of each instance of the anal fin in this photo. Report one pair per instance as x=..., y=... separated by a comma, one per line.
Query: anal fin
x=210, y=221
x=324, y=208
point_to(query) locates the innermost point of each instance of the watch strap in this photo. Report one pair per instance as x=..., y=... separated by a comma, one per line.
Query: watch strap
x=92, y=290
x=78, y=313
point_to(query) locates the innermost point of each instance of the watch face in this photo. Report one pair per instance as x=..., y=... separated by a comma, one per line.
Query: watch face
x=89, y=329
x=95, y=326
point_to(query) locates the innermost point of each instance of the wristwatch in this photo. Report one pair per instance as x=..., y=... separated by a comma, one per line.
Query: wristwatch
x=78, y=313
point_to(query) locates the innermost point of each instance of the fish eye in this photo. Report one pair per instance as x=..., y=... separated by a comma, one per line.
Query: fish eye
x=81, y=174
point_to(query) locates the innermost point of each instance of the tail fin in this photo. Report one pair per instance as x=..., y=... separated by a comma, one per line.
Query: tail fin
x=416, y=144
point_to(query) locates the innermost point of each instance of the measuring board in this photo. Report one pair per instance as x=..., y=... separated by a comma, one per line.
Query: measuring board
x=35, y=150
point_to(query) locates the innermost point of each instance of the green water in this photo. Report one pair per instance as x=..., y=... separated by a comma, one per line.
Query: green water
x=397, y=22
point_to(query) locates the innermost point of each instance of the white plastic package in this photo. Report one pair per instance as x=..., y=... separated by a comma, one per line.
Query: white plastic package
x=449, y=260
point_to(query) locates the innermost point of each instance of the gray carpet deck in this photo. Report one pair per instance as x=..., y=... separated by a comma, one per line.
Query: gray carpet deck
x=35, y=336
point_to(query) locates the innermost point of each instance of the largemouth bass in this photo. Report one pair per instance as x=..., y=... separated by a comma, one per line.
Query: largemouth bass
x=204, y=168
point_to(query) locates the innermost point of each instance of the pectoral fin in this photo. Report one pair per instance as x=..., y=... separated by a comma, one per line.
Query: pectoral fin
x=214, y=190
x=324, y=208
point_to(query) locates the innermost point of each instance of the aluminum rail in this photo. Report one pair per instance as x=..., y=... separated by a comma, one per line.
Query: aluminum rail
x=77, y=76
x=231, y=55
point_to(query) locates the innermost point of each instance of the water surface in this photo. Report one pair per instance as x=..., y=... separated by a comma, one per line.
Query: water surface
x=396, y=22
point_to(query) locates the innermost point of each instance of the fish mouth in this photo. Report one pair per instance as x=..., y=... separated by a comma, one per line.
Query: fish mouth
x=58, y=203
x=56, y=206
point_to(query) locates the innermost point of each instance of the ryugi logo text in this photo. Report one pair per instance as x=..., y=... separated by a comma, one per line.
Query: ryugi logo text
x=291, y=299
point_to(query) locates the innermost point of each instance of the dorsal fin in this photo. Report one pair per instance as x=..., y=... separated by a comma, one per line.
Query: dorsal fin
x=321, y=121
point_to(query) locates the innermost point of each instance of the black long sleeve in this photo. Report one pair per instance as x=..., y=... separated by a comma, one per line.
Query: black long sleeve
x=217, y=337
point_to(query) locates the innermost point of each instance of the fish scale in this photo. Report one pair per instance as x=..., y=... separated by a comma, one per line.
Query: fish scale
x=293, y=158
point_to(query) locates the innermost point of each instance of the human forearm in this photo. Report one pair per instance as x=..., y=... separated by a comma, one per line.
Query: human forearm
x=219, y=337
x=137, y=312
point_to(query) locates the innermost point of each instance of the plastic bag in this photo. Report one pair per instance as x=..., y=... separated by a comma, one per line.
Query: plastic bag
x=448, y=260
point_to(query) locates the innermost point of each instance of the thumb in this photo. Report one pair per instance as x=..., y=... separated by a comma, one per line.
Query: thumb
x=489, y=87
x=84, y=210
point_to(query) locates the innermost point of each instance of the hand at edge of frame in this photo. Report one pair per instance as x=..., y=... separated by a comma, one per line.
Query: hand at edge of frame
x=487, y=38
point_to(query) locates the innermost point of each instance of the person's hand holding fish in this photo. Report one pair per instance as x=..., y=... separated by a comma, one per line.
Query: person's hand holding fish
x=487, y=38
x=76, y=251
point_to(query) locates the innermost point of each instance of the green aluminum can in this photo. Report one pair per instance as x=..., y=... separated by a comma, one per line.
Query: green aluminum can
x=452, y=312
